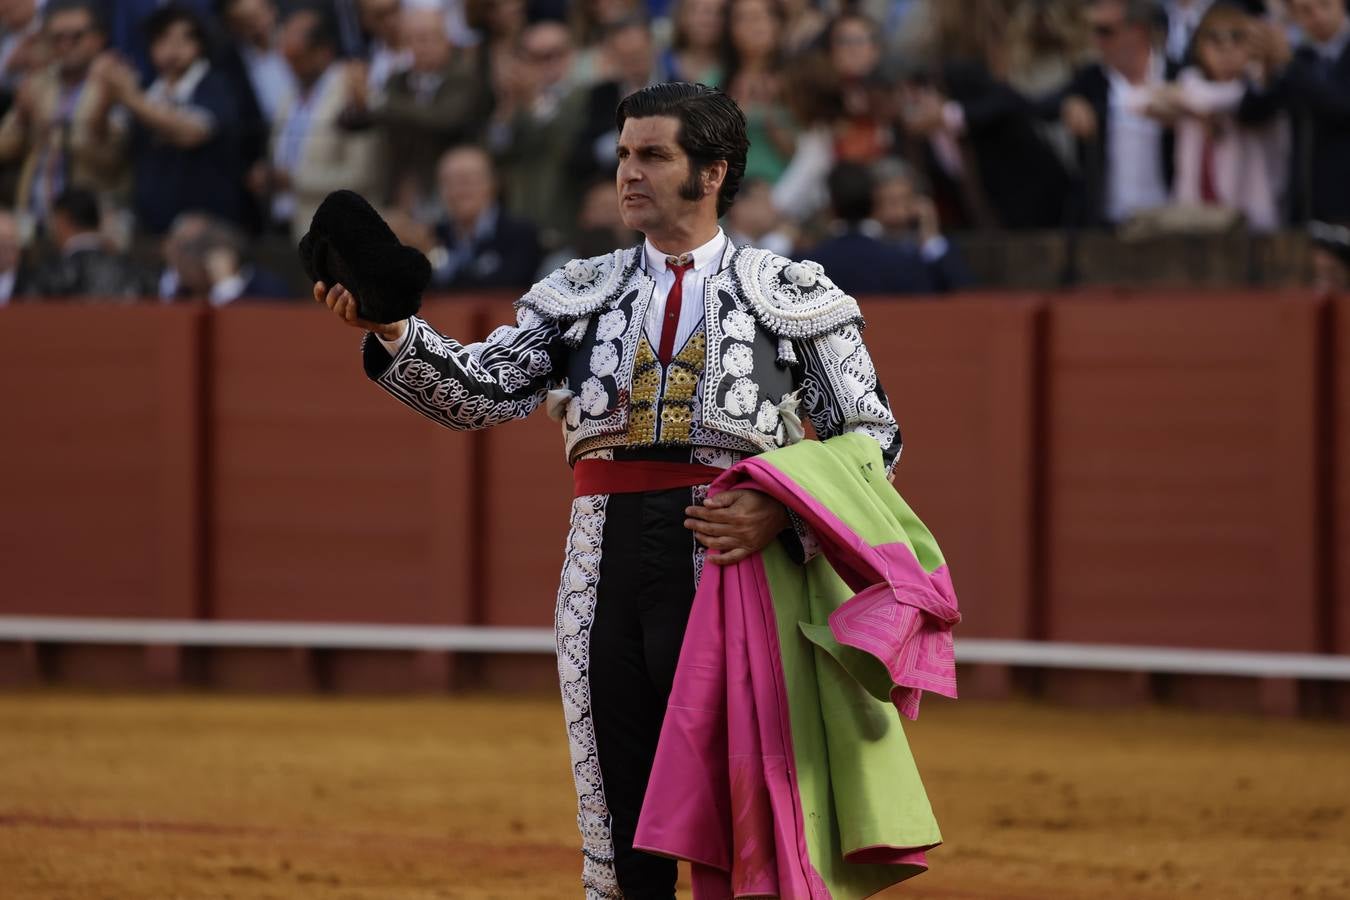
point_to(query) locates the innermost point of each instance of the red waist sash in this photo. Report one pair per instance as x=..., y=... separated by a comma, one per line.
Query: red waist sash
x=604, y=476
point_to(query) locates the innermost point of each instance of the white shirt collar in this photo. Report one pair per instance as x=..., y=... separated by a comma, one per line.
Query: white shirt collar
x=183, y=89
x=705, y=255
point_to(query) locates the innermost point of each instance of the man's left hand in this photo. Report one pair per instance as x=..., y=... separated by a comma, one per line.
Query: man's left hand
x=736, y=524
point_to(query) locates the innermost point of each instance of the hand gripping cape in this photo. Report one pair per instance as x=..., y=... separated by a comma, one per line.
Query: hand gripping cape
x=783, y=768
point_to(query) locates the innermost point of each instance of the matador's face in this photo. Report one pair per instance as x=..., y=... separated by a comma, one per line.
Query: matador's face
x=653, y=170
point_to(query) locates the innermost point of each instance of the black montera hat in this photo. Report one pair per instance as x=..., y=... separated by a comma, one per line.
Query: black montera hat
x=349, y=244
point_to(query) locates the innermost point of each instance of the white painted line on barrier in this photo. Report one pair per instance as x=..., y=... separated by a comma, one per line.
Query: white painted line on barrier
x=489, y=639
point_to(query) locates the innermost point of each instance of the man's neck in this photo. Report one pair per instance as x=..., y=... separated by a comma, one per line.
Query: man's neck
x=1136, y=71
x=683, y=240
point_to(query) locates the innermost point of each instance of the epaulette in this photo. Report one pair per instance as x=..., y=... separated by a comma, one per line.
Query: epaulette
x=580, y=288
x=793, y=299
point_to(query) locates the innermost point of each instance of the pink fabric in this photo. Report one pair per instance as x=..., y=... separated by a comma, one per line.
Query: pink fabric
x=902, y=615
x=722, y=783
x=723, y=793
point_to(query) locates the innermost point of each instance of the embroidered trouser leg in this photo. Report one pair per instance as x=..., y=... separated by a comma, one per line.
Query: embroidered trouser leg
x=627, y=588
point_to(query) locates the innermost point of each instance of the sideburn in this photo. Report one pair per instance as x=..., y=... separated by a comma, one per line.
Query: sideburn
x=692, y=188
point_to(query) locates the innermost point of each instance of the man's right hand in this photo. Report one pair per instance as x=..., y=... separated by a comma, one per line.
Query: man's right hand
x=340, y=301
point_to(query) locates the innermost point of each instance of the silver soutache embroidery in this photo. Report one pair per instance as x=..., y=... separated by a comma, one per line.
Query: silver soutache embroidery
x=462, y=387
x=791, y=299
x=573, y=617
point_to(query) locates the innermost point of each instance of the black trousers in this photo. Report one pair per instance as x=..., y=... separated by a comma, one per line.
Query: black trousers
x=627, y=587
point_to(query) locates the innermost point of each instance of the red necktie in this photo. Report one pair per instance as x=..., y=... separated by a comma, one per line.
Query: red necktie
x=674, y=300
x=1209, y=194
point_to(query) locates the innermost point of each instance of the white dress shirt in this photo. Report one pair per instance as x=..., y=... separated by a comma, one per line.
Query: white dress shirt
x=1134, y=160
x=7, y=280
x=707, y=261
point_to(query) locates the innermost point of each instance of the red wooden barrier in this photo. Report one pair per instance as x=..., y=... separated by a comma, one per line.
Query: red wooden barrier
x=960, y=376
x=330, y=501
x=101, y=506
x=1181, y=441
x=1339, y=470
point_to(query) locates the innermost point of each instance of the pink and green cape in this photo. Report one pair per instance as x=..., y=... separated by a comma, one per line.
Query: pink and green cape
x=783, y=768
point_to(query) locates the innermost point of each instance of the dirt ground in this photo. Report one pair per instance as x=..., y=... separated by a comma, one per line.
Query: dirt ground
x=211, y=798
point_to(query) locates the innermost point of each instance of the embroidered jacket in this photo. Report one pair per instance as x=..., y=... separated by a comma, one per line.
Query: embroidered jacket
x=776, y=336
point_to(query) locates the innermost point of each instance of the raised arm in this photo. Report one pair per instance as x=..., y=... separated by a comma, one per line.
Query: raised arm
x=464, y=387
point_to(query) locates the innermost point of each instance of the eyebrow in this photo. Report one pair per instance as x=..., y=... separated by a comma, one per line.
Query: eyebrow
x=645, y=148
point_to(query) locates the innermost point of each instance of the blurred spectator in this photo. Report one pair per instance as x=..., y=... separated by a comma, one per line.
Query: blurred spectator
x=1220, y=162
x=862, y=131
x=1183, y=21
x=13, y=278
x=533, y=130
x=804, y=23
x=599, y=229
x=428, y=108
x=909, y=217
x=386, y=53
x=632, y=62
x=186, y=143
x=126, y=21
x=858, y=258
x=85, y=266
x=1330, y=258
x=753, y=221
x=208, y=260
x=1125, y=146
x=475, y=244
x=753, y=73
x=311, y=154
x=252, y=28
x=499, y=24
x=978, y=136
x=1315, y=84
x=61, y=123
x=20, y=45
x=695, y=47
x=591, y=21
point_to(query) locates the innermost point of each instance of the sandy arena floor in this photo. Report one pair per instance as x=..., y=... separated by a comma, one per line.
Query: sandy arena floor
x=197, y=797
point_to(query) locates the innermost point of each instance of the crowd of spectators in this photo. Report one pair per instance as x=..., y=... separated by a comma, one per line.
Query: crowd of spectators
x=484, y=129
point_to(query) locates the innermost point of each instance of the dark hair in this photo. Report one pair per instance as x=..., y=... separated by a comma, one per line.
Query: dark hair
x=89, y=7
x=325, y=31
x=80, y=206
x=851, y=187
x=731, y=57
x=712, y=127
x=158, y=23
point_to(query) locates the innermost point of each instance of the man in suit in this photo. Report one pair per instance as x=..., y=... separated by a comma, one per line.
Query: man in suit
x=858, y=256
x=186, y=141
x=1315, y=85
x=312, y=155
x=476, y=244
x=207, y=259
x=435, y=104
x=86, y=268
x=61, y=124
x=1125, y=152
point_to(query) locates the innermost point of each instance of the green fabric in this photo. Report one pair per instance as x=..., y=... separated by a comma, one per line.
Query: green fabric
x=857, y=779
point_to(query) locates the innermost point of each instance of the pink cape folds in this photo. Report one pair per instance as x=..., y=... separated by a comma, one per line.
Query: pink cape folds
x=782, y=769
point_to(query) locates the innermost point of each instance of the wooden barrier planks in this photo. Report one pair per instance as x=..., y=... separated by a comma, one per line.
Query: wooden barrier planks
x=100, y=506
x=960, y=376
x=330, y=501
x=1181, y=443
